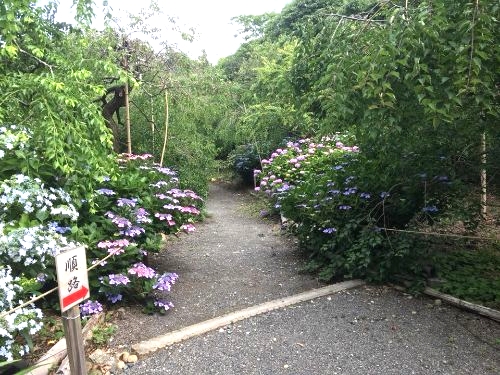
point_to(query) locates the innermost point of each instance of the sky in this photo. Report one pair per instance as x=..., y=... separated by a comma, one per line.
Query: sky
x=215, y=33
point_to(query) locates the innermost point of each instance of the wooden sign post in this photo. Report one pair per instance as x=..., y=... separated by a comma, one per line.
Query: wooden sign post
x=72, y=278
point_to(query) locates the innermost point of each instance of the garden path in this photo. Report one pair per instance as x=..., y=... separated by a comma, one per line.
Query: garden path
x=234, y=260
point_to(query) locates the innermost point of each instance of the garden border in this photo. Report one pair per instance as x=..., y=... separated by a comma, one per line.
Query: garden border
x=460, y=303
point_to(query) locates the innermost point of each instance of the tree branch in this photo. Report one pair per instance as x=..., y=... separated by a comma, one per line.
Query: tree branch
x=37, y=59
x=356, y=18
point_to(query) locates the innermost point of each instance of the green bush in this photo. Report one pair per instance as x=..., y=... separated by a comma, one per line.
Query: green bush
x=339, y=208
x=245, y=159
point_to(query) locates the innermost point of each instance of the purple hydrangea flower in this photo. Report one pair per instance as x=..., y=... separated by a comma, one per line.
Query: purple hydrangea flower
x=121, y=202
x=177, y=193
x=351, y=190
x=171, y=207
x=90, y=307
x=58, y=229
x=166, y=171
x=114, y=298
x=141, y=216
x=141, y=270
x=188, y=228
x=166, y=281
x=107, y=192
x=114, y=247
x=190, y=210
x=119, y=221
x=329, y=230
x=102, y=263
x=345, y=207
x=169, y=218
x=132, y=231
x=191, y=194
x=163, y=304
x=117, y=279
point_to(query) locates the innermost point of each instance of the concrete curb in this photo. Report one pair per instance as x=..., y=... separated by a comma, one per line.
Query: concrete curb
x=149, y=346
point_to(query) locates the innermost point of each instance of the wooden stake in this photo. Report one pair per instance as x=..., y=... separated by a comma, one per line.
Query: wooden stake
x=166, y=129
x=74, y=340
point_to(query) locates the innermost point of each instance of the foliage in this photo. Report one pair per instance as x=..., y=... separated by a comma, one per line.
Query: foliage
x=129, y=214
x=415, y=84
x=321, y=187
x=102, y=334
x=46, y=81
x=245, y=159
x=57, y=168
x=37, y=222
x=470, y=275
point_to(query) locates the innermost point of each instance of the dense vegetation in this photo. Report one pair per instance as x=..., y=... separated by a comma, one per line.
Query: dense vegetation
x=414, y=86
x=64, y=179
x=368, y=122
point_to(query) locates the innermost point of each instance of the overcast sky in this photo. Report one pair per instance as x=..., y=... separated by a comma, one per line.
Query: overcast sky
x=210, y=18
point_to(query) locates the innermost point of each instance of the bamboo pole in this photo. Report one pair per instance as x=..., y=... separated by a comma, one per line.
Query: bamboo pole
x=484, y=209
x=166, y=129
x=152, y=124
x=478, y=309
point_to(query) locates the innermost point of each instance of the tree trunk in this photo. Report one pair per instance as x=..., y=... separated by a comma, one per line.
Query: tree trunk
x=127, y=120
x=112, y=107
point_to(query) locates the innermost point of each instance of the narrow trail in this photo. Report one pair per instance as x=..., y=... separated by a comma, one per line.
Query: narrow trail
x=231, y=262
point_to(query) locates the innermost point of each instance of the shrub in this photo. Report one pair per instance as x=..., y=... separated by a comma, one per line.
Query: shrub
x=129, y=214
x=245, y=160
x=122, y=220
x=338, y=208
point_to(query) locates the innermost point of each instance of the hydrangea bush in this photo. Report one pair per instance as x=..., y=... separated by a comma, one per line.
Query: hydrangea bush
x=33, y=219
x=124, y=220
x=128, y=220
x=14, y=142
x=17, y=328
x=337, y=207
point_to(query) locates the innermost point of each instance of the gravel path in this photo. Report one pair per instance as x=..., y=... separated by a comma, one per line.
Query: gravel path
x=234, y=261
x=363, y=331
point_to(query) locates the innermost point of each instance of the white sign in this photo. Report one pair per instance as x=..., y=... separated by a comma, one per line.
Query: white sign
x=72, y=277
